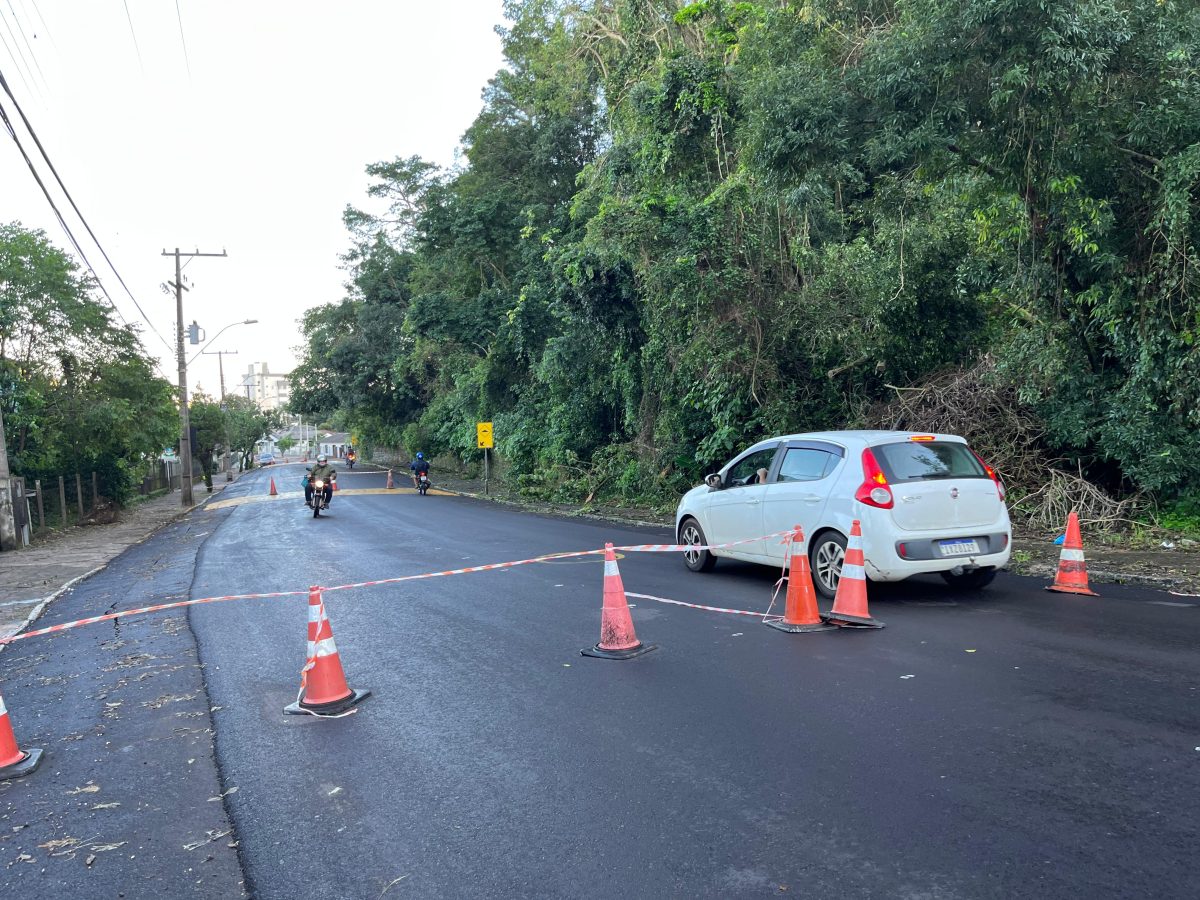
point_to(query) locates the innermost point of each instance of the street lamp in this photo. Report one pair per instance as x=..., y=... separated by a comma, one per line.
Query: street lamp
x=221, y=332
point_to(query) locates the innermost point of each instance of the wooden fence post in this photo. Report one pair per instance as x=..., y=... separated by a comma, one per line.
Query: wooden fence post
x=62, y=499
x=37, y=486
x=95, y=493
x=79, y=494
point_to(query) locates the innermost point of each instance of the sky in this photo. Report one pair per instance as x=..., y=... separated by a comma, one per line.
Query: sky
x=234, y=126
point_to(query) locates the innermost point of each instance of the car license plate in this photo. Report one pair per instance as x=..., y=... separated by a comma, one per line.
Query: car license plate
x=954, y=548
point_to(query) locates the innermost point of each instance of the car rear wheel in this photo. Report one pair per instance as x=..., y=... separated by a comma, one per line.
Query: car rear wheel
x=825, y=556
x=692, y=534
x=973, y=580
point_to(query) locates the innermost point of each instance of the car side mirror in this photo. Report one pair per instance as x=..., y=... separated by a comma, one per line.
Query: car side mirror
x=713, y=481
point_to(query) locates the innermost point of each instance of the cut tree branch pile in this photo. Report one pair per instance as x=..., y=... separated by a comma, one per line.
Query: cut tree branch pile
x=980, y=405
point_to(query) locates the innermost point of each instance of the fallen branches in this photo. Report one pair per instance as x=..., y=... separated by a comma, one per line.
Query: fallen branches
x=983, y=407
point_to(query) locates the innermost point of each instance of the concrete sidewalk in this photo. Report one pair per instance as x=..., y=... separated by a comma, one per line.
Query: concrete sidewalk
x=35, y=575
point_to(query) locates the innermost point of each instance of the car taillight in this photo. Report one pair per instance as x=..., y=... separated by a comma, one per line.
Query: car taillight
x=992, y=474
x=874, y=491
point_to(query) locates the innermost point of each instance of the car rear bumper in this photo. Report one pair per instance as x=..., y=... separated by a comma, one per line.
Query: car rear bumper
x=889, y=566
x=891, y=557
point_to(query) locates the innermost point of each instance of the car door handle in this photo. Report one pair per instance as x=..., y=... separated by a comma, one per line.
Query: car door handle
x=751, y=501
x=811, y=498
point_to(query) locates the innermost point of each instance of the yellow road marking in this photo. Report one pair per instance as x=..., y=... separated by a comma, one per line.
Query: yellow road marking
x=284, y=495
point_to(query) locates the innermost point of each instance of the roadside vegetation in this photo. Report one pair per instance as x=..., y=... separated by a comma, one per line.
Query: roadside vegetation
x=78, y=393
x=679, y=227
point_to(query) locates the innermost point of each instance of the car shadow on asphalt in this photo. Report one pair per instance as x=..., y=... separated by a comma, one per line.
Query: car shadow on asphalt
x=918, y=589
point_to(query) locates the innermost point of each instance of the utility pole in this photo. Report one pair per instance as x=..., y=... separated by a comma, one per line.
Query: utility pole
x=185, y=433
x=8, y=522
x=220, y=355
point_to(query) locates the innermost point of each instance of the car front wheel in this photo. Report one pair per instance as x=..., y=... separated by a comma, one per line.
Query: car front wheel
x=692, y=534
x=825, y=556
x=973, y=580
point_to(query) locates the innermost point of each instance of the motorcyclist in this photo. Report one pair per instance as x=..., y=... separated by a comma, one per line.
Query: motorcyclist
x=351, y=457
x=322, y=471
x=419, y=465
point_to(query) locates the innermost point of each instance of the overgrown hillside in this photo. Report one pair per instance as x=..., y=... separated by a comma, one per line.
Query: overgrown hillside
x=681, y=227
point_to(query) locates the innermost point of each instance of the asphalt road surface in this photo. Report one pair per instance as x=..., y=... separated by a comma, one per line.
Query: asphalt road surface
x=1013, y=743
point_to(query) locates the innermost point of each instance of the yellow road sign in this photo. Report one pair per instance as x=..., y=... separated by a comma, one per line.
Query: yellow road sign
x=483, y=435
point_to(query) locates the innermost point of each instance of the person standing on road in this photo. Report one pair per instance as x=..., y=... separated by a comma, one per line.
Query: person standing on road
x=419, y=465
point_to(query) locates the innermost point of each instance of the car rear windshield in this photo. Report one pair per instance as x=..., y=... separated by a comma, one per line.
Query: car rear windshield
x=925, y=460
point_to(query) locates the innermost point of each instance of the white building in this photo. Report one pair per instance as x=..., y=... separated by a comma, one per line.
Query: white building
x=334, y=444
x=270, y=390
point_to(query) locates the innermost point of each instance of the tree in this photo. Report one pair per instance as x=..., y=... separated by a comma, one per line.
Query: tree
x=78, y=391
x=680, y=227
x=209, y=425
x=247, y=425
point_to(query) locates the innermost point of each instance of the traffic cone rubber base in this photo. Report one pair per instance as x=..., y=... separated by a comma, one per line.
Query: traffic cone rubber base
x=24, y=766
x=844, y=621
x=300, y=708
x=618, y=654
x=1071, y=589
x=781, y=625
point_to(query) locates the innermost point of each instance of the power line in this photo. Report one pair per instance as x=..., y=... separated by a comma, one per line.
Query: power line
x=71, y=200
x=45, y=27
x=16, y=65
x=182, y=39
x=32, y=55
x=58, y=215
x=20, y=53
x=135, y=40
x=66, y=228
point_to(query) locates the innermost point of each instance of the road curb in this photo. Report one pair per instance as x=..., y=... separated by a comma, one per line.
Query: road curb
x=50, y=598
x=38, y=609
x=1101, y=576
x=617, y=520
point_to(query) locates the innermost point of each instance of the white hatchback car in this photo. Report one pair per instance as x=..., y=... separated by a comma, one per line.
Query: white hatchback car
x=927, y=503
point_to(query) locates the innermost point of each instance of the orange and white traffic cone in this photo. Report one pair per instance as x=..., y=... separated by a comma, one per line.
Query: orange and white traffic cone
x=800, y=615
x=618, y=640
x=1071, y=577
x=332, y=485
x=850, y=601
x=13, y=762
x=390, y=486
x=323, y=688
x=273, y=493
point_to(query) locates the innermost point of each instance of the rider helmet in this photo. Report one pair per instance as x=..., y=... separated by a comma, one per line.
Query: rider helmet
x=322, y=459
x=420, y=456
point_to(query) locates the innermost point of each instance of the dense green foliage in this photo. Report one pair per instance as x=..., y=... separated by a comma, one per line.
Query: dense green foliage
x=77, y=391
x=235, y=423
x=680, y=227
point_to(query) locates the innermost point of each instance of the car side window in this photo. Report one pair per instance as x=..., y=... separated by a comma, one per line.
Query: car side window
x=806, y=464
x=746, y=470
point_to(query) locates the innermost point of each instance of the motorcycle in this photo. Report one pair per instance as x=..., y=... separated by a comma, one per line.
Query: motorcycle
x=322, y=493
x=350, y=459
x=422, y=483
